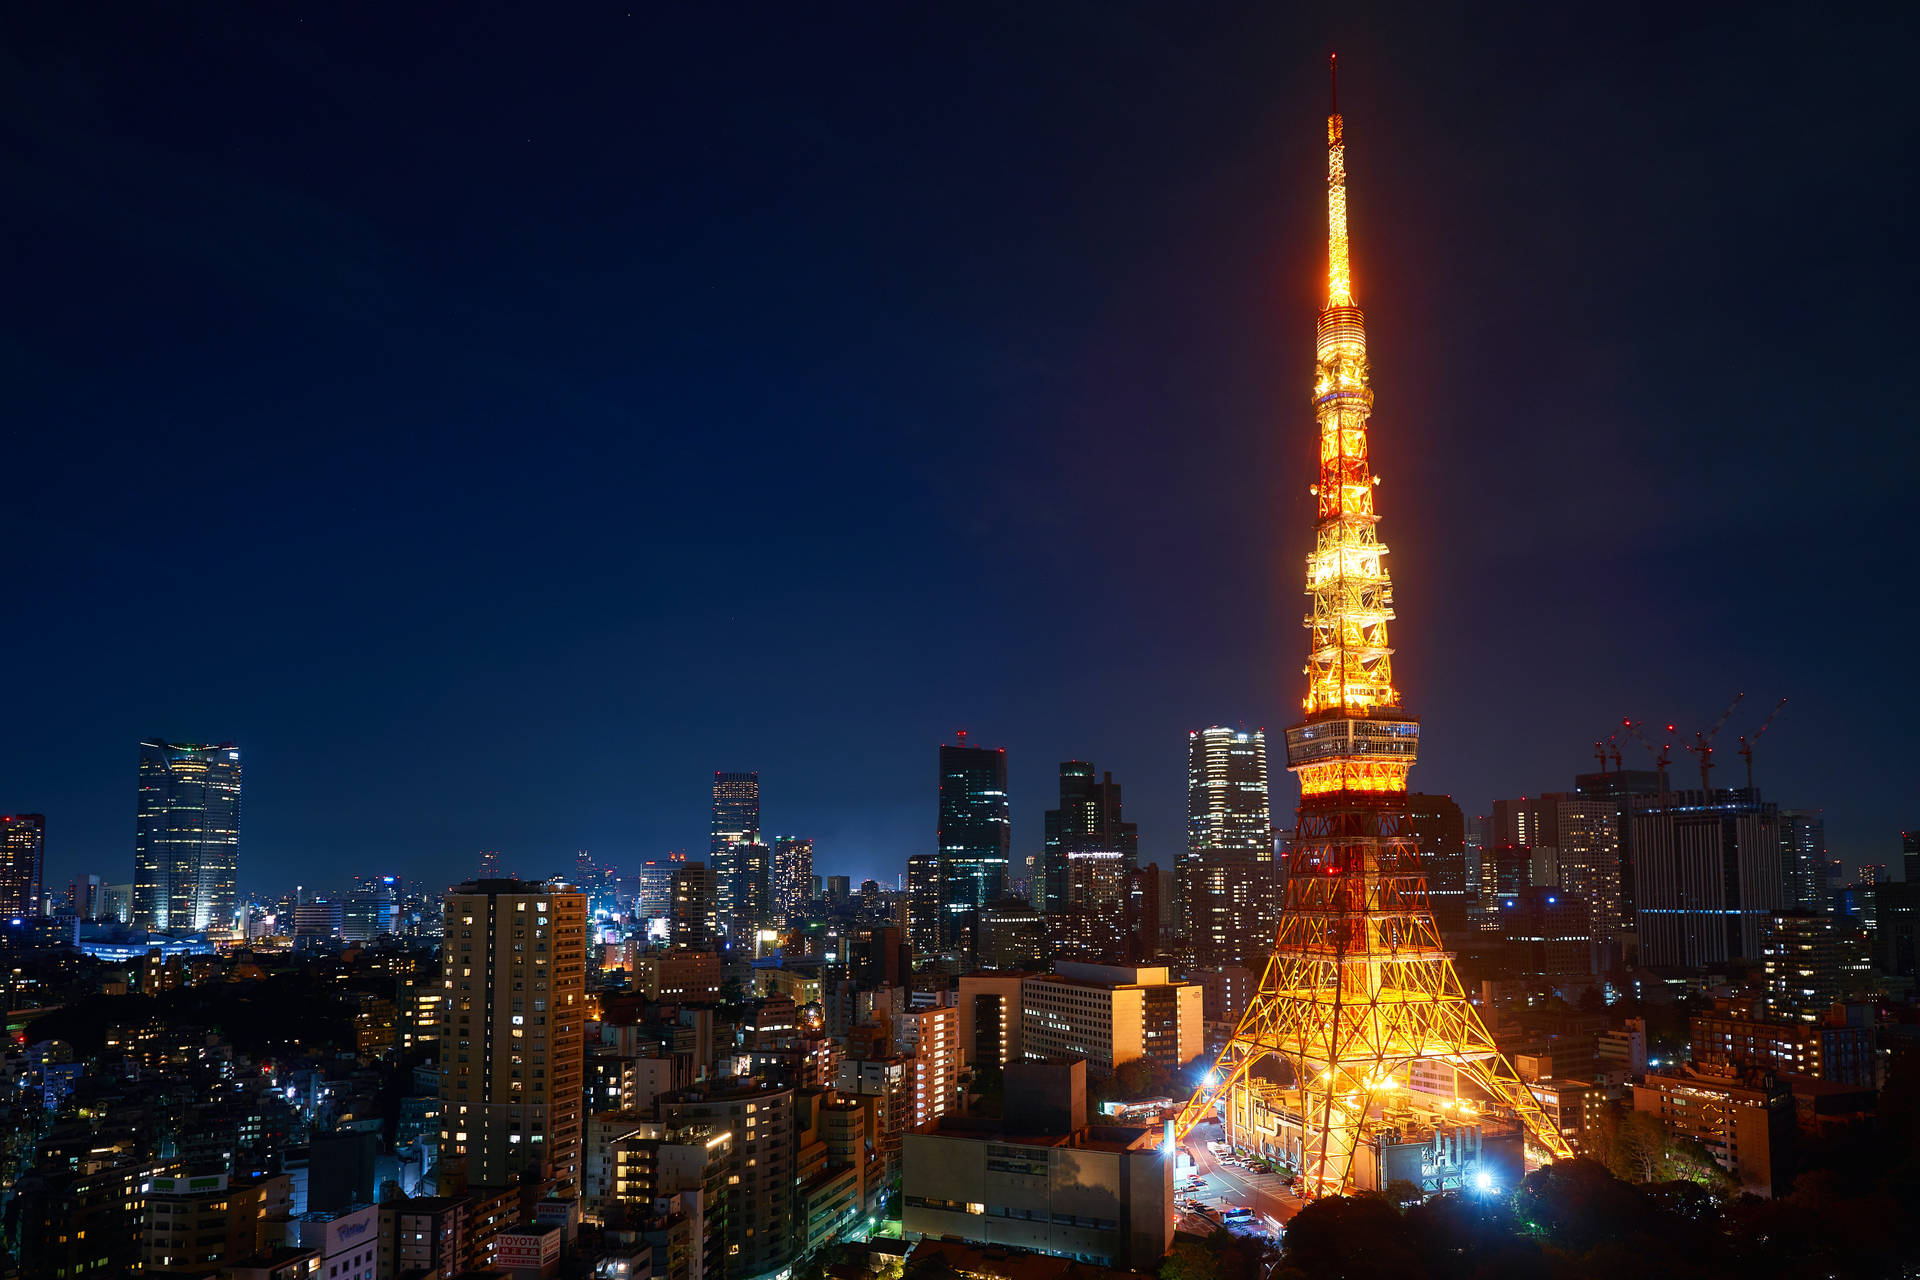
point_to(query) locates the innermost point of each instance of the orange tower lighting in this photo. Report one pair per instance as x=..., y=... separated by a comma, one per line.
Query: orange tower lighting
x=1359, y=991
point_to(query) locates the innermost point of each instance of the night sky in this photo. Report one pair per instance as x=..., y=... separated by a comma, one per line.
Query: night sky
x=497, y=419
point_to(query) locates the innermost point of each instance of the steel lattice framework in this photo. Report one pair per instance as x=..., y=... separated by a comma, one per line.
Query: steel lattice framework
x=1359, y=986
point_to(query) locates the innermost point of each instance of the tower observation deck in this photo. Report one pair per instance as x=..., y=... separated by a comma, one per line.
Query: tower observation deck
x=1360, y=1028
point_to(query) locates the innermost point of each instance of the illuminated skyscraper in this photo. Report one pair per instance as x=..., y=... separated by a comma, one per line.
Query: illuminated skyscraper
x=1442, y=831
x=736, y=822
x=736, y=809
x=1360, y=1013
x=1087, y=821
x=186, y=849
x=23, y=847
x=923, y=903
x=974, y=836
x=1803, y=856
x=512, y=1048
x=1226, y=882
x=792, y=875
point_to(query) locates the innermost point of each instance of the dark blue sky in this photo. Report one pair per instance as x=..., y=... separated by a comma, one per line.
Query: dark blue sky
x=497, y=420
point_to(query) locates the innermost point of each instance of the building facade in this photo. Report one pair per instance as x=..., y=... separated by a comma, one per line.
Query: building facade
x=1709, y=876
x=186, y=849
x=1087, y=821
x=792, y=876
x=1226, y=887
x=1111, y=1015
x=23, y=851
x=974, y=838
x=512, y=1043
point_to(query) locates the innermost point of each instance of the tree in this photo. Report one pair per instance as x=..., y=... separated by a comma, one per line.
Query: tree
x=1359, y=1237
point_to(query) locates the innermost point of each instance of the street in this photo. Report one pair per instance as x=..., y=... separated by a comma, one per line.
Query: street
x=1225, y=1187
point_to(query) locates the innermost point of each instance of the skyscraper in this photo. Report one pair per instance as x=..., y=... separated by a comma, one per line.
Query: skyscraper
x=1225, y=882
x=923, y=903
x=1709, y=876
x=736, y=822
x=186, y=849
x=736, y=809
x=792, y=875
x=974, y=836
x=1360, y=997
x=1441, y=829
x=1803, y=856
x=655, y=898
x=23, y=848
x=1087, y=821
x=695, y=907
x=512, y=1048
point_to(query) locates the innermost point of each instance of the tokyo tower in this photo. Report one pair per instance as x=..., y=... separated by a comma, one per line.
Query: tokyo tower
x=1360, y=1014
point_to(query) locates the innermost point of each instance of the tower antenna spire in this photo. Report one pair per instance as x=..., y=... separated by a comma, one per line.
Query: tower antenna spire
x=1333, y=82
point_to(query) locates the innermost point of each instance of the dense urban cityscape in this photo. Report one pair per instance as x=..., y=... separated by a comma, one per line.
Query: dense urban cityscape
x=1642, y=1021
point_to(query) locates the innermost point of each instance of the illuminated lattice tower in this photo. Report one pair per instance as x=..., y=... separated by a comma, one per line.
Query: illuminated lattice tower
x=1359, y=988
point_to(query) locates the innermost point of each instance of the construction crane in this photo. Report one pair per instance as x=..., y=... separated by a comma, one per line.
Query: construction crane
x=1661, y=756
x=1746, y=743
x=1702, y=748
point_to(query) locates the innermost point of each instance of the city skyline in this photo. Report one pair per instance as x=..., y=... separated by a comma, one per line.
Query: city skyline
x=1615, y=519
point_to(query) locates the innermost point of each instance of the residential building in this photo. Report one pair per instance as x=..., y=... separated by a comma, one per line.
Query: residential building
x=23, y=850
x=760, y=1119
x=186, y=850
x=695, y=907
x=1838, y=1047
x=1746, y=1125
x=792, y=876
x=1111, y=1015
x=194, y=1224
x=512, y=1045
x=924, y=903
x=1812, y=960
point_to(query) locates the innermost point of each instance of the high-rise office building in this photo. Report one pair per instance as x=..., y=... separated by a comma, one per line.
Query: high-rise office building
x=1812, y=959
x=1620, y=787
x=512, y=1048
x=736, y=808
x=1803, y=857
x=186, y=851
x=1709, y=876
x=792, y=875
x=1087, y=821
x=1441, y=830
x=23, y=851
x=736, y=821
x=974, y=837
x=1909, y=854
x=1226, y=884
x=655, y=896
